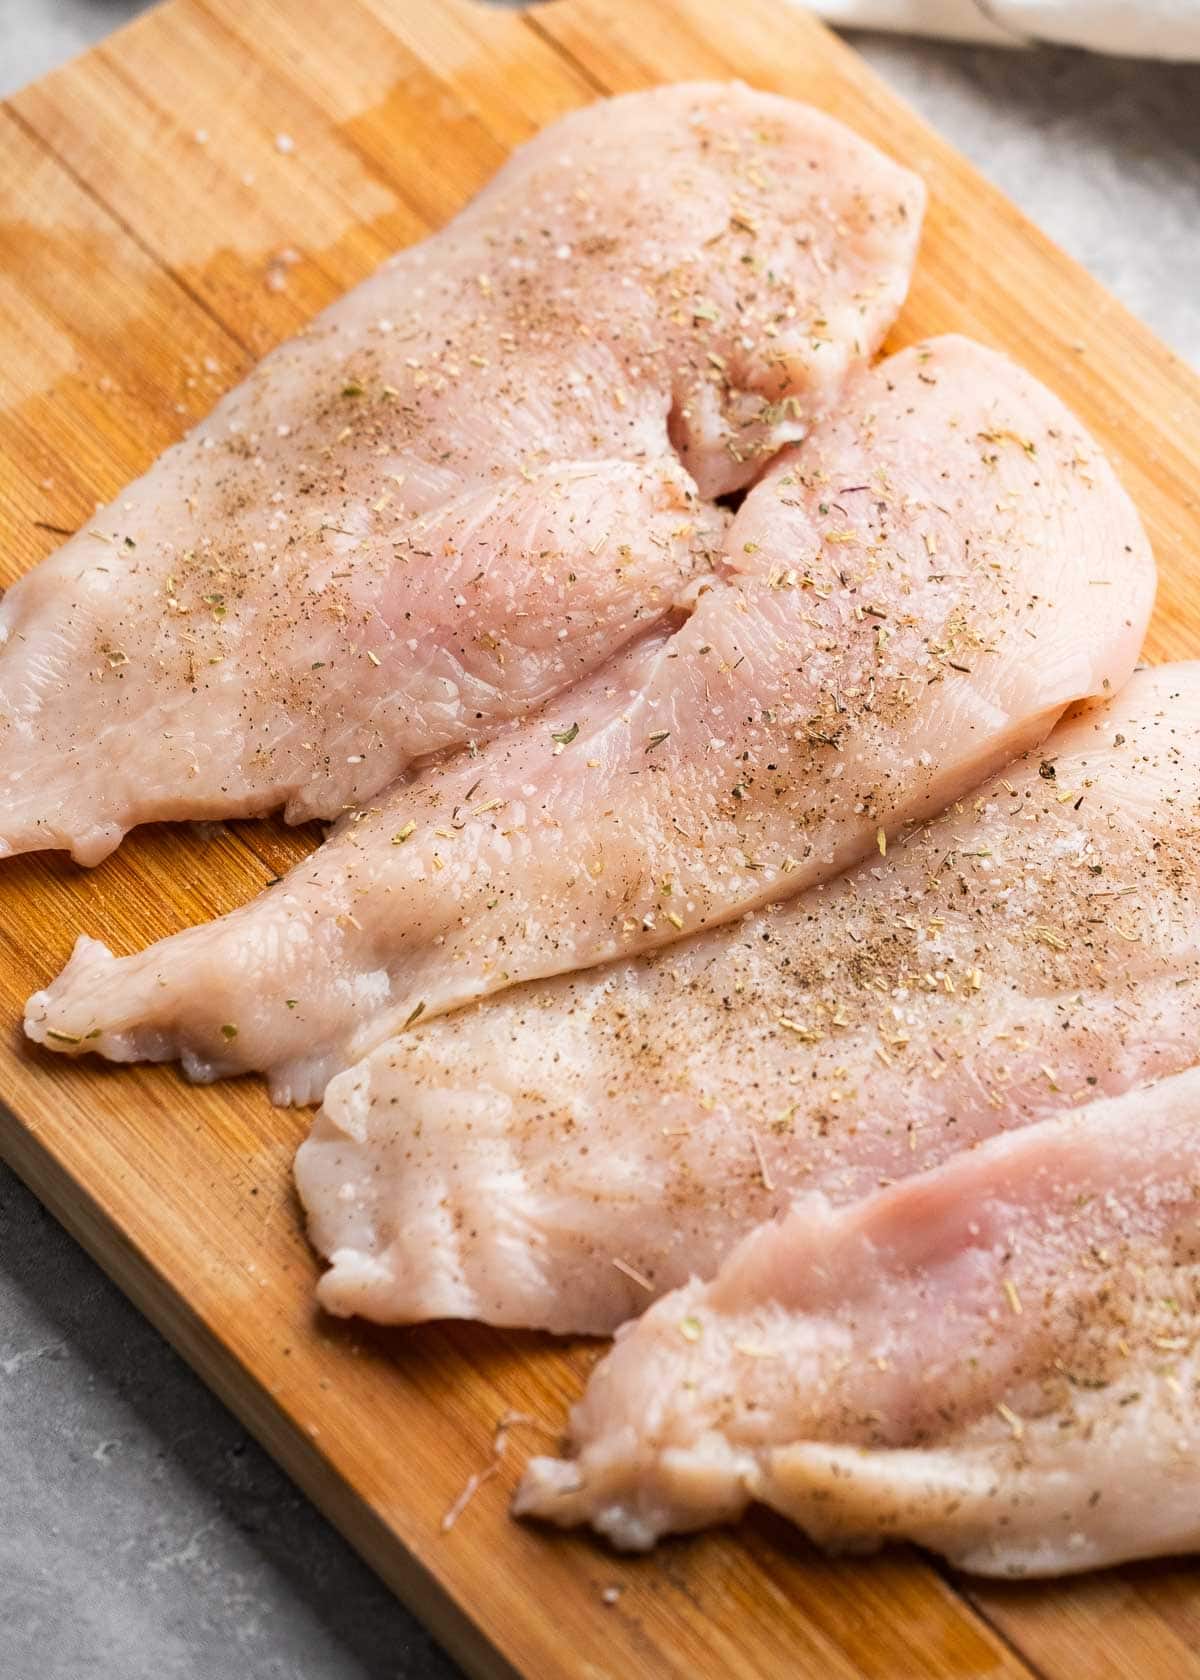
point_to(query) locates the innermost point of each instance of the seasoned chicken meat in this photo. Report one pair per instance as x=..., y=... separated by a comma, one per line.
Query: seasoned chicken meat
x=904, y=602
x=561, y=1155
x=997, y=1359
x=468, y=483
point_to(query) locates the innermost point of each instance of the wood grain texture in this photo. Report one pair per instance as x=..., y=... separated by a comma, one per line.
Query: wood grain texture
x=141, y=269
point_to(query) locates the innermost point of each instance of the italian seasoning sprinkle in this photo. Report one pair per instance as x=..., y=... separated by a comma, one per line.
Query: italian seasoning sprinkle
x=1049, y=936
x=642, y=1281
x=1015, y=1424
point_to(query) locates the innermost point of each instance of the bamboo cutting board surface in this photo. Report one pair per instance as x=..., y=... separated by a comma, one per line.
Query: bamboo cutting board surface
x=143, y=267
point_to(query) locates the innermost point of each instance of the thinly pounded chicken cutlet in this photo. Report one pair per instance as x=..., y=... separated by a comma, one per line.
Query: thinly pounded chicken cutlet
x=997, y=1359
x=903, y=603
x=468, y=483
x=561, y=1155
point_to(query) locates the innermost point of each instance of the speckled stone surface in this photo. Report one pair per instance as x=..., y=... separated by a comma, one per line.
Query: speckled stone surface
x=142, y=1535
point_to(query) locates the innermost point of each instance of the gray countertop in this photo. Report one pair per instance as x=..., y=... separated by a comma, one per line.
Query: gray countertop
x=144, y=1536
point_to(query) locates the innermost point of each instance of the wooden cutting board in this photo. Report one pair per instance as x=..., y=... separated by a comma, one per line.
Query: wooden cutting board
x=156, y=235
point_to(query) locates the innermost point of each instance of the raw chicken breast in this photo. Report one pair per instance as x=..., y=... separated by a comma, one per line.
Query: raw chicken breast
x=559, y=1156
x=997, y=1359
x=466, y=484
x=905, y=603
